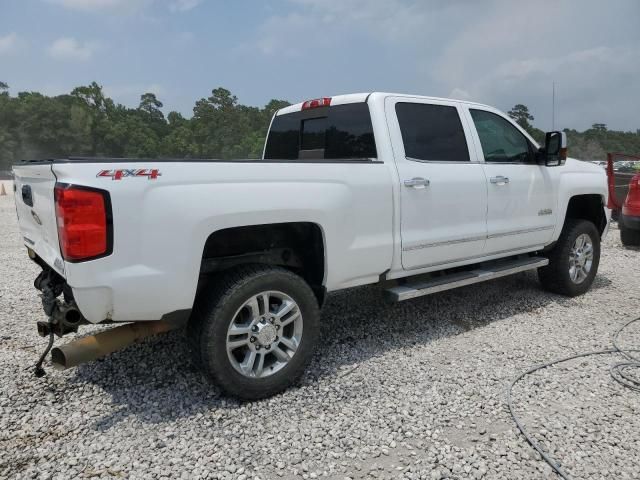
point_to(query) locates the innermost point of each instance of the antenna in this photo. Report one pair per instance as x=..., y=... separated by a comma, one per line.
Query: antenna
x=553, y=107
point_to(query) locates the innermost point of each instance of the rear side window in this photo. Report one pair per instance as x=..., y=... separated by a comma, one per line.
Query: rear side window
x=432, y=132
x=338, y=132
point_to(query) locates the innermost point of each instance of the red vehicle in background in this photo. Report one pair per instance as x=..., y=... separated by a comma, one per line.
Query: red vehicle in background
x=624, y=195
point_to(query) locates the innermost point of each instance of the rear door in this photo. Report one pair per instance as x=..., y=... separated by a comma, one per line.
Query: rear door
x=521, y=210
x=443, y=193
x=35, y=206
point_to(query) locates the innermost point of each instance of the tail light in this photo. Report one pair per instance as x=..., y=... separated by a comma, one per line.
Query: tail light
x=631, y=205
x=85, y=228
x=316, y=103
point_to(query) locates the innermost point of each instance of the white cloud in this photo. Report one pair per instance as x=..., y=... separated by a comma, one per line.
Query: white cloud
x=325, y=23
x=111, y=6
x=391, y=20
x=459, y=94
x=185, y=38
x=318, y=23
x=277, y=33
x=69, y=48
x=8, y=43
x=497, y=52
x=125, y=6
x=594, y=74
x=590, y=85
x=183, y=5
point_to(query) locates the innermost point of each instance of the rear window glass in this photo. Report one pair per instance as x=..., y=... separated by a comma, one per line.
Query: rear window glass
x=432, y=132
x=313, y=133
x=338, y=132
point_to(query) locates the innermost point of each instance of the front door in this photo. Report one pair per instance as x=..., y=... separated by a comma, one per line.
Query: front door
x=443, y=194
x=521, y=210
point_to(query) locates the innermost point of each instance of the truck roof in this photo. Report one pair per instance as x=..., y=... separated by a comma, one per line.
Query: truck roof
x=363, y=97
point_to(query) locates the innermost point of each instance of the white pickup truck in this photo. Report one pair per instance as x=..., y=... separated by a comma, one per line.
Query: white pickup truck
x=416, y=194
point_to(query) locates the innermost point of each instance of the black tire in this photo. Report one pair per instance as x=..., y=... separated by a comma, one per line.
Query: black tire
x=214, y=311
x=555, y=276
x=628, y=237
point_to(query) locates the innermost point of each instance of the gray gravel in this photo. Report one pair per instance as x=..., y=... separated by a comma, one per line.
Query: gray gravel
x=414, y=390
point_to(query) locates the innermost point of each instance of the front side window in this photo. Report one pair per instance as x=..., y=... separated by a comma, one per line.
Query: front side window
x=333, y=133
x=500, y=140
x=432, y=132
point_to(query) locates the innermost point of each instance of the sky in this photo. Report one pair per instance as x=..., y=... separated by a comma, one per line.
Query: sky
x=498, y=52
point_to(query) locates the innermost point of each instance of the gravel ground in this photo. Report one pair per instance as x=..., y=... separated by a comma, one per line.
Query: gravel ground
x=414, y=390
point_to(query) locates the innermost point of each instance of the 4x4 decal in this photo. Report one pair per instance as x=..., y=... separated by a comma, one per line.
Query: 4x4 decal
x=119, y=174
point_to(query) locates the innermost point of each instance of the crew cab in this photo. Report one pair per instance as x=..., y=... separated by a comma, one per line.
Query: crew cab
x=413, y=193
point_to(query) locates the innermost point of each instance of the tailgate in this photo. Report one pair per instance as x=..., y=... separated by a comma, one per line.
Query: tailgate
x=36, y=211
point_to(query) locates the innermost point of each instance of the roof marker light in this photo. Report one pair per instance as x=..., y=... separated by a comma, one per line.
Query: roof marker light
x=316, y=103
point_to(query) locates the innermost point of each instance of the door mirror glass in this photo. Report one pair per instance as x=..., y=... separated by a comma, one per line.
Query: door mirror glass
x=555, y=149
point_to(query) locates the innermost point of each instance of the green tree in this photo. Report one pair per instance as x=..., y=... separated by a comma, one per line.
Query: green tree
x=520, y=113
x=99, y=108
x=152, y=116
x=179, y=141
x=150, y=105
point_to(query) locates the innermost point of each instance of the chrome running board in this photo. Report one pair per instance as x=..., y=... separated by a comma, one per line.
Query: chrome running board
x=487, y=271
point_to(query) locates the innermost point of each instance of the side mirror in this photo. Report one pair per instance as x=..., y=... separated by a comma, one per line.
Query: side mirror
x=555, y=149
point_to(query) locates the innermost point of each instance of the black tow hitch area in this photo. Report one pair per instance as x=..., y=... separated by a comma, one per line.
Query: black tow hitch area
x=64, y=316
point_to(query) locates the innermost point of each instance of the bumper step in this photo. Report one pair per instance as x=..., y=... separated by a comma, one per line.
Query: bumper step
x=488, y=271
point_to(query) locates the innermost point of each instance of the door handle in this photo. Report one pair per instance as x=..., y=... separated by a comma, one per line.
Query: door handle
x=499, y=180
x=416, y=182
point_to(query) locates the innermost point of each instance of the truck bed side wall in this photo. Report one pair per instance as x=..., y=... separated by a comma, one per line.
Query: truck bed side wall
x=161, y=225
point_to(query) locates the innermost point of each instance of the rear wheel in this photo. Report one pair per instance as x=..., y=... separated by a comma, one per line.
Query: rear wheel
x=255, y=330
x=573, y=262
x=628, y=237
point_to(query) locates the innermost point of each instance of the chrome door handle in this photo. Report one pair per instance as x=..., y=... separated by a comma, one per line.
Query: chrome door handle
x=416, y=182
x=499, y=180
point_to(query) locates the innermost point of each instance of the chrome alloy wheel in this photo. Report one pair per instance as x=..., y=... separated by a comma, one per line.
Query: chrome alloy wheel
x=264, y=334
x=580, y=258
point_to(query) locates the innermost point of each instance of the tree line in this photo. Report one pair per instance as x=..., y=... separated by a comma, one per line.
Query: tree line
x=87, y=122
x=592, y=144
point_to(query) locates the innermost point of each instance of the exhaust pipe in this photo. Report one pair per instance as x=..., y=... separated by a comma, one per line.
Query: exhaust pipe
x=90, y=348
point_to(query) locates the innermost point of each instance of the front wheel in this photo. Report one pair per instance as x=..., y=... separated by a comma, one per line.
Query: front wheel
x=574, y=260
x=254, y=332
